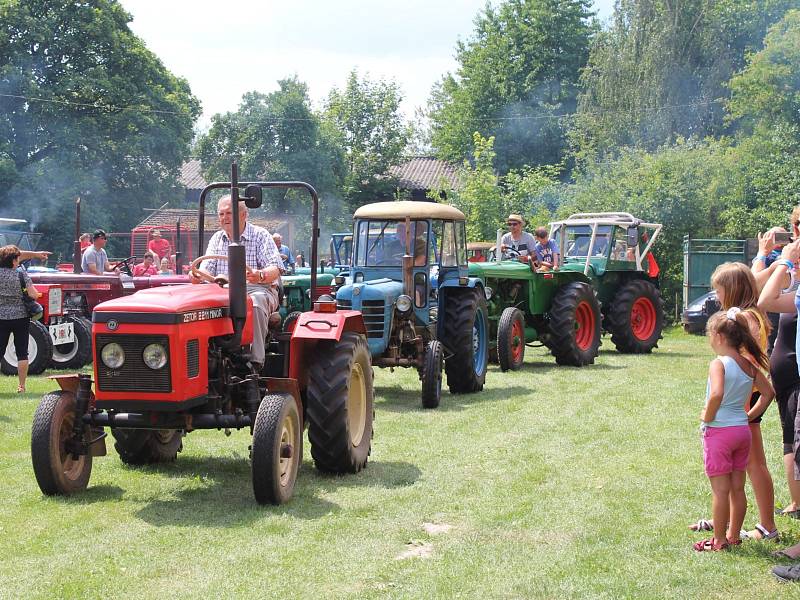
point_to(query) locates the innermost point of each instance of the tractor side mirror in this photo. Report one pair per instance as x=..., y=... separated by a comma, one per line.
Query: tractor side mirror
x=253, y=196
x=633, y=236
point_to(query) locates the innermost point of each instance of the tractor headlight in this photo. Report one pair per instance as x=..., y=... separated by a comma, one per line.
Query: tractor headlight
x=154, y=356
x=487, y=291
x=404, y=304
x=112, y=355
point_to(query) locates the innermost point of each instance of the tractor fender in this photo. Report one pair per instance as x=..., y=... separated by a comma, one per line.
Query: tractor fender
x=472, y=282
x=312, y=327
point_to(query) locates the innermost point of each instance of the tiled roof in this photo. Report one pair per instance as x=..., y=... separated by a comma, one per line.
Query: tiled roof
x=192, y=175
x=426, y=173
x=167, y=218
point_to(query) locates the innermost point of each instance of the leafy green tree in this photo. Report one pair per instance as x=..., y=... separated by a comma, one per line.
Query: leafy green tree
x=517, y=75
x=364, y=120
x=85, y=109
x=660, y=71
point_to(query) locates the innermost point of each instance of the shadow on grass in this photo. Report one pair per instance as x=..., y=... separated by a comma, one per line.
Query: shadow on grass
x=219, y=491
x=395, y=399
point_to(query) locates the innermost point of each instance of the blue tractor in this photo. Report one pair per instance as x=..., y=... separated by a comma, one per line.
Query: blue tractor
x=421, y=308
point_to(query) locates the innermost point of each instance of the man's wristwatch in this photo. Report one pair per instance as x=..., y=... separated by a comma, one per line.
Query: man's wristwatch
x=261, y=276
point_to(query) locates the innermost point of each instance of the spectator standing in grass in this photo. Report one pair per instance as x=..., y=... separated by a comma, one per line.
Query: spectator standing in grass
x=726, y=434
x=158, y=245
x=13, y=314
x=147, y=266
x=95, y=259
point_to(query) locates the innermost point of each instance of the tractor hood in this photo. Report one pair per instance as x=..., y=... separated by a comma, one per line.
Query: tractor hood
x=506, y=268
x=375, y=299
x=181, y=299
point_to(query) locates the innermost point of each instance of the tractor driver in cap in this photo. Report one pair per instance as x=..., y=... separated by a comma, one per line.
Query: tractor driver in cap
x=264, y=274
x=518, y=239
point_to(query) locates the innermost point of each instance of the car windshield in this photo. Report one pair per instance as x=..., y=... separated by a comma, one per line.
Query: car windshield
x=579, y=238
x=382, y=243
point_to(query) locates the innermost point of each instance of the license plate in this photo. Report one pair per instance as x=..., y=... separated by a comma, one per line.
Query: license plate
x=62, y=333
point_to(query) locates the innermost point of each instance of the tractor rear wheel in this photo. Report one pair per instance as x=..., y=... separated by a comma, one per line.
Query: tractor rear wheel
x=147, y=446
x=636, y=317
x=575, y=325
x=432, y=375
x=466, y=331
x=511, y=339
x=40, y=351
x=277, y=449
x=56, y=470
x=75, y=354
x=340, y=404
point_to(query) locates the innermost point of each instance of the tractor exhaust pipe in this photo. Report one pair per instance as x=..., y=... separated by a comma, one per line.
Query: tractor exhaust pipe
x=408, y=263
x=76, y=245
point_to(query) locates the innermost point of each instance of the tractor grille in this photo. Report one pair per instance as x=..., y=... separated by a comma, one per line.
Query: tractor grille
x=344, y=304
x=192, y=358
x=134, y=375
x=373, y=317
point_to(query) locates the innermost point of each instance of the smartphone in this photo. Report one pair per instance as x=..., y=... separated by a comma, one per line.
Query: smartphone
x=783, y=237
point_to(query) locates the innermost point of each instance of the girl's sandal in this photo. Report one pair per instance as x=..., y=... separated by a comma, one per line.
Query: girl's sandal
x=702, y=525
x=760, y=534
x=20, y=389
x=709, y=545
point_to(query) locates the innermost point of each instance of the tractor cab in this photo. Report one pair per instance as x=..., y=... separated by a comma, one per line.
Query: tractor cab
x=599, y=242
x=480, y=251
x=341, y=250
x=409, y=267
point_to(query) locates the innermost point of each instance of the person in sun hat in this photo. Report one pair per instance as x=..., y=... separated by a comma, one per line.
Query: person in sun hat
x=518, y=239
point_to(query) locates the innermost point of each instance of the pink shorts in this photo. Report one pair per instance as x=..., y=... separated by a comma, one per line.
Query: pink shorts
x=726, y=449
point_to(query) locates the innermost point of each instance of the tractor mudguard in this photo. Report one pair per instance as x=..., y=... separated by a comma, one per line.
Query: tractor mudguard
x=313, y=327
x=454, y=283
x=69, y=383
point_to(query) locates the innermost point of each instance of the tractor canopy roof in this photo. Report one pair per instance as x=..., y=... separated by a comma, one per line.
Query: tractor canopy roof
x=622, y=219
x=409, y=208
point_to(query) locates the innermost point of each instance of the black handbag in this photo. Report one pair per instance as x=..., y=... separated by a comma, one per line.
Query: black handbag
x=34, y=309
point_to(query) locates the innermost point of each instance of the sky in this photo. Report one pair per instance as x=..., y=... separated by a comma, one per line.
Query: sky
x=226, y=49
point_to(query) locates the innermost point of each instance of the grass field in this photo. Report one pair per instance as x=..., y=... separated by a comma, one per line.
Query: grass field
x=552, y=482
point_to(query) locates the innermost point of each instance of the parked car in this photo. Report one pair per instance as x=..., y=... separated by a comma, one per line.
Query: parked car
x=695, y=316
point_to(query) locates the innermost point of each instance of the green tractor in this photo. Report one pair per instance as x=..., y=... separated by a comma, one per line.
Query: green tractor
x=606, y=279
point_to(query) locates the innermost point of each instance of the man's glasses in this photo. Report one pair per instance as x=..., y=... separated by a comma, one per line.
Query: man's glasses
x=512, y=224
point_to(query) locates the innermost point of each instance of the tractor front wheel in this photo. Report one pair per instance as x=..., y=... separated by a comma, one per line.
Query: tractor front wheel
x=40, y=351
x=147, y=446
x=466, y=332
x=57, y=471
x=636, y=317
x=575, y=325
x=511, y=339
x=277, y=449
x=432, y=375
x=290, y=322
x=340, y=404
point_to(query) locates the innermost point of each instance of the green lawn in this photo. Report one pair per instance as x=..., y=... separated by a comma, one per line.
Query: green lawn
x=552, y=482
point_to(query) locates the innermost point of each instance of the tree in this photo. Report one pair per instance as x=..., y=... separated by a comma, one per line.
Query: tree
x=659, y=73
x=277, y=137
x=86, y=109
x=364, y=120
x=517, y=75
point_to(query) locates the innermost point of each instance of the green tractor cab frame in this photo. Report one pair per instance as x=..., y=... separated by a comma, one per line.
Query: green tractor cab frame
x=410, y=279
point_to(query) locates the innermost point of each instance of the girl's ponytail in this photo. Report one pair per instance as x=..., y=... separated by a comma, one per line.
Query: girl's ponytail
x=732, y=325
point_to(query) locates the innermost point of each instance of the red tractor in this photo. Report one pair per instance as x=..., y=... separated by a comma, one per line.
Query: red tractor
x=171, y=360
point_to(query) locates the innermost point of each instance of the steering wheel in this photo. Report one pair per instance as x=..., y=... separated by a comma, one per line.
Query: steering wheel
x=510, y=254
x=125, y=265
x=220, y=280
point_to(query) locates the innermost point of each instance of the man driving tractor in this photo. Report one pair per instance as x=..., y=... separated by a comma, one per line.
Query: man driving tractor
x=265, y=267
x=518, y=240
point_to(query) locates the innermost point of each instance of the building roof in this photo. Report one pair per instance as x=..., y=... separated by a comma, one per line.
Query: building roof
x=192, y=175
x=426, y=173
x=166, y=218
x=408, y=208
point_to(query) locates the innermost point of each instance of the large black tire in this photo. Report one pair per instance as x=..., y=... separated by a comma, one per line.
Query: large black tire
x=511, y=339
x=466, y=336
x=40, y=351
x=74, y=355
x=277, y=449
x=56, y=471
x=574, y=326
x=340, y=405
x=432, y=375
x=147, y=446
x=636, y=317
